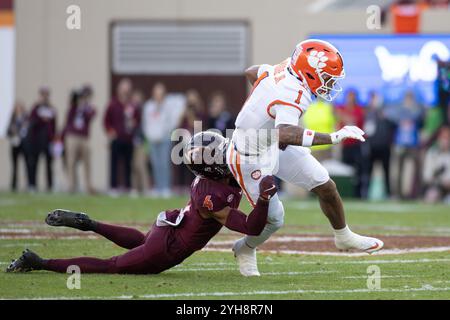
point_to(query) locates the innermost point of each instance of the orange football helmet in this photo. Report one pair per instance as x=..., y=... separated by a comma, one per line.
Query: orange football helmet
x=320, y=65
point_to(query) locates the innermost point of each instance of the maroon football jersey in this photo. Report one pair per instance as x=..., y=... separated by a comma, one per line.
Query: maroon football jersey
x=195, y=231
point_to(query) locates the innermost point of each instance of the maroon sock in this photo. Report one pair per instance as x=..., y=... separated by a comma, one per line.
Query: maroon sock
x=124, y=237
x=86, y=265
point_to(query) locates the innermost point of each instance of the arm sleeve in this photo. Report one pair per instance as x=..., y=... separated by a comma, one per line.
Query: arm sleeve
x=286, y=114
x=253, y=224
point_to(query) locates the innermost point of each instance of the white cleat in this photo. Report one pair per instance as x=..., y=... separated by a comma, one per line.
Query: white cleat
x=355, y=241
x=246, y=259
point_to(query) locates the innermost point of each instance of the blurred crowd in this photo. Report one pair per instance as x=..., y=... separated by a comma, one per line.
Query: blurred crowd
x=138, y=132
x=407, y=142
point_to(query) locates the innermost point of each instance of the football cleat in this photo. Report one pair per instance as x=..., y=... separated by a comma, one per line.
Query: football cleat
x=361, y=243
x=246, y=258
x=28, y=261
x=66, y=218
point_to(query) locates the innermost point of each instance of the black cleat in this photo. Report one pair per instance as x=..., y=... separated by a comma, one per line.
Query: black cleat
x=66, y=218
x=28, y=261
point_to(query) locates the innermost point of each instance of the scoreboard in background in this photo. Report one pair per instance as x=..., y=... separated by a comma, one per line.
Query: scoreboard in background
x=391, y=64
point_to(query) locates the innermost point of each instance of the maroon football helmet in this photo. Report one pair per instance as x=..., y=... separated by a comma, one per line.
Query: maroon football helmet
x=205, y=155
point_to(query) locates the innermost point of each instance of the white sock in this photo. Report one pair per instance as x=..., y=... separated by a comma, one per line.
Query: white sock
x=343, y=233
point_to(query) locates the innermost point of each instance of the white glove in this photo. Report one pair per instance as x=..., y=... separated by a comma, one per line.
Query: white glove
x=347, y=132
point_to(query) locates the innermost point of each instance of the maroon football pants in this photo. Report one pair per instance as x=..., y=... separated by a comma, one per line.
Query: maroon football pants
x=147, y=254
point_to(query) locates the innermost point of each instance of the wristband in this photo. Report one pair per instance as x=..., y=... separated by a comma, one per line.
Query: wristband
x=308, y=137
x=334, y=138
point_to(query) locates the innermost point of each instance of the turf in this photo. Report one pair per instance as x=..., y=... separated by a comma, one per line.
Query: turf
x=213, y=275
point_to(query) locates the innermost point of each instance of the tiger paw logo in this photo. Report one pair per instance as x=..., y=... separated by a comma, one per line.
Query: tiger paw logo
x=317, y=59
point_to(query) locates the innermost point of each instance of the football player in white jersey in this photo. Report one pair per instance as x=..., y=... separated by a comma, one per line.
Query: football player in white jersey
x=268, y=140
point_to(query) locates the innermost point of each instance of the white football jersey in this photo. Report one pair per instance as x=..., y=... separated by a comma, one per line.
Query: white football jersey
x=277, y=97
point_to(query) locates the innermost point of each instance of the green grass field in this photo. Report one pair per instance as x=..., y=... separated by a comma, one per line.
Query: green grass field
x=213, y=274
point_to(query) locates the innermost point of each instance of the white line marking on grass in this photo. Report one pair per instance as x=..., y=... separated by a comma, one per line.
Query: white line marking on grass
x=393, y=276
x=281, y=273
x=376, y=261
x=294, y=273
x=15, y=230
x=345, y=254
x=424, y=260
x=12, y=245
x=426, y=287
x=223, y=263
x=284, y=292
x=200, y=269
x=50, y=236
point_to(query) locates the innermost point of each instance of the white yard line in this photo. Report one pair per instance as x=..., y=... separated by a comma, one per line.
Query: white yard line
x=284, y=292
x=344, y=254
x=12, y=245
x=281, y=273
x=424, y=260
x=15, y=230
x=376, y=261
x=60, y=236
x=247, y=293
x=382, y=276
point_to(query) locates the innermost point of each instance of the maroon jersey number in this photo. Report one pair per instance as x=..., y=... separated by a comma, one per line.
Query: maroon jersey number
x=207, y=203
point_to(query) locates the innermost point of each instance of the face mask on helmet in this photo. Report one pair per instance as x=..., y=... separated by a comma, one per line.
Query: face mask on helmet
x=330, y=87
x=204, y=155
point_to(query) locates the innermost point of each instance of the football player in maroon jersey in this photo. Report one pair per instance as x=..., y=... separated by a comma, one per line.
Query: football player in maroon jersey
x=176, y=234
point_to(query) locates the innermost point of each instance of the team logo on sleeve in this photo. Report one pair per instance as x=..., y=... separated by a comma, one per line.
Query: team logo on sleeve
x=207, y=203
x=256, y=174
x=230, y=198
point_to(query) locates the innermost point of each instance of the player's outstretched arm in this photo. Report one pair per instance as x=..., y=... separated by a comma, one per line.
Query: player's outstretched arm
x=254, y=223
x=252, y=73
x=298, y=136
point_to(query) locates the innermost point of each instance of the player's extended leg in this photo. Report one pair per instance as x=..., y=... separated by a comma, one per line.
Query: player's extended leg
x=248, y=174
x=148, y=258
x=124, y=237
x=299, y=167
x=245, y=248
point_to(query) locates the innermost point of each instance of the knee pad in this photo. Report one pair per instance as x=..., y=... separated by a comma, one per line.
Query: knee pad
x=275, y=216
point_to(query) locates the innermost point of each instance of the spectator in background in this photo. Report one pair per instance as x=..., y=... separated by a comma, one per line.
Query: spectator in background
x=320, y=117
x=380, y=134
x=156, y=124
x=76, y=136
x=194, y=111
x=17, y=133
x=408, y=117
x=219, y=117
x=120, y=122
x=41, y=133
x=436, y=171
x=352, y=114
x=140, y=165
